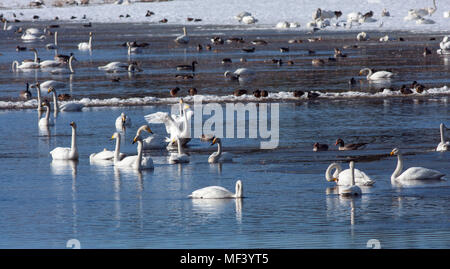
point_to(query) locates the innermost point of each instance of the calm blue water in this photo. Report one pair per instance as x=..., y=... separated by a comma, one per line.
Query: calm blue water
x=288, y=203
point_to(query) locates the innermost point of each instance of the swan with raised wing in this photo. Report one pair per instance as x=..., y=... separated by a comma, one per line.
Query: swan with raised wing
x=61, y=153
x=344, y=177
x=412, y=173
x=218, y=192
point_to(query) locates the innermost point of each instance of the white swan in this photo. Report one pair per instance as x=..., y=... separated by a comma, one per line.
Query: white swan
x=425, y=11
x=45, y=121
x=71, y=153
x=443, y=145
x=376, y=75
x=344, y=177
x=218, y=192
x=67, y=107
x=249, y=20
x=444, y=46
x=52, y=83
x=137, y=162
x=27, y=64
x=53, y=46
x=412, y=173
x=240, y=73
x=176, y=126
x=153, y=141
x=183, y=39
x=180, y=156
x=71, y=70
x=86, y=45
x=122, y=122
x=120, y=67
x=29, y=36
x=108, y=155
x=352, y=190
x=363, y=36
x=219, y=156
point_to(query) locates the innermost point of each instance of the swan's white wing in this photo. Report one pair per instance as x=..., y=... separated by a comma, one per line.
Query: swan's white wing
x=127, y=162
x=164, y=117
x=60, y=153
x=443, y=146
x=420, y=173
x=49, y=63
x=52, y=83
x=178, y=158
x=212, y=192
x=243, y=71
x=147, y=163
x=102, y=155
x=361, y=178
x=445, y=45
x=381, y=74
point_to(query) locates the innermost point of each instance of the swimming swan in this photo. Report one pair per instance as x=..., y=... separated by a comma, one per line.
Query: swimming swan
x=108, y=155
x=180, y=156
x=86, y=45
x=443, y=145
x=412, y=173
x=137, y=162
x=219, y=156
x=344, y=177
x=183, y=39
x=45, y=121
x=218, y=192
x=352, y=190
x=69, y=106
x=71, y=153
x=376, y=75
x=122, y=122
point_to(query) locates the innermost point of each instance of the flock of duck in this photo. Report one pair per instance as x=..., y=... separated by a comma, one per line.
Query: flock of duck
x=177, y=125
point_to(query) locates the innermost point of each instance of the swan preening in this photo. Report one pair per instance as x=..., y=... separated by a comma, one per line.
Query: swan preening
x=71, y=153
x=69, y=106
x=443, y=145
x=412, y=173
x=218, y=192
x=108, y=155
x=115, y=67
x=122, y=122
x=344, y=177
x=351, y=189
x=86, y=45
x=240, y=73
x=136, y=162
x=376, y=75
x=183, y=39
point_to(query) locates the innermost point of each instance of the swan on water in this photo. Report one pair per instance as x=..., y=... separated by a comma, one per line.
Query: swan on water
x=67, y=107
x=108, y=155
x=122, y=122
x=376, y=75
x=53, y=46
x=412, y=173
x=218, y=192
x=71, y=153
x=343, y=177
x=86, y=45
x=352, y=190
x=180, y=156
x=218, y=156
x=136, y=162
x=443, y=145
x=115, y=67
x=153, y=141
x=184, y=38
x=45, y=121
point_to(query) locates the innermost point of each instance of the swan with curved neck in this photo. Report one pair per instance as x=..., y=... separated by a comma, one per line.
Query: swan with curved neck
x=153, y=141
x=443, y=145
x=376, y=75
x=183, y=39
x=70, y=106
x=218, y=192
x=45, y=121
x=137, y=162
x=27, y=64
x=412, y=173
x=65, y=71
x=343, y=177
x=108, y=155
x=219, y=156
x=352, y=190
x=71, y=153
x=86, y=45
